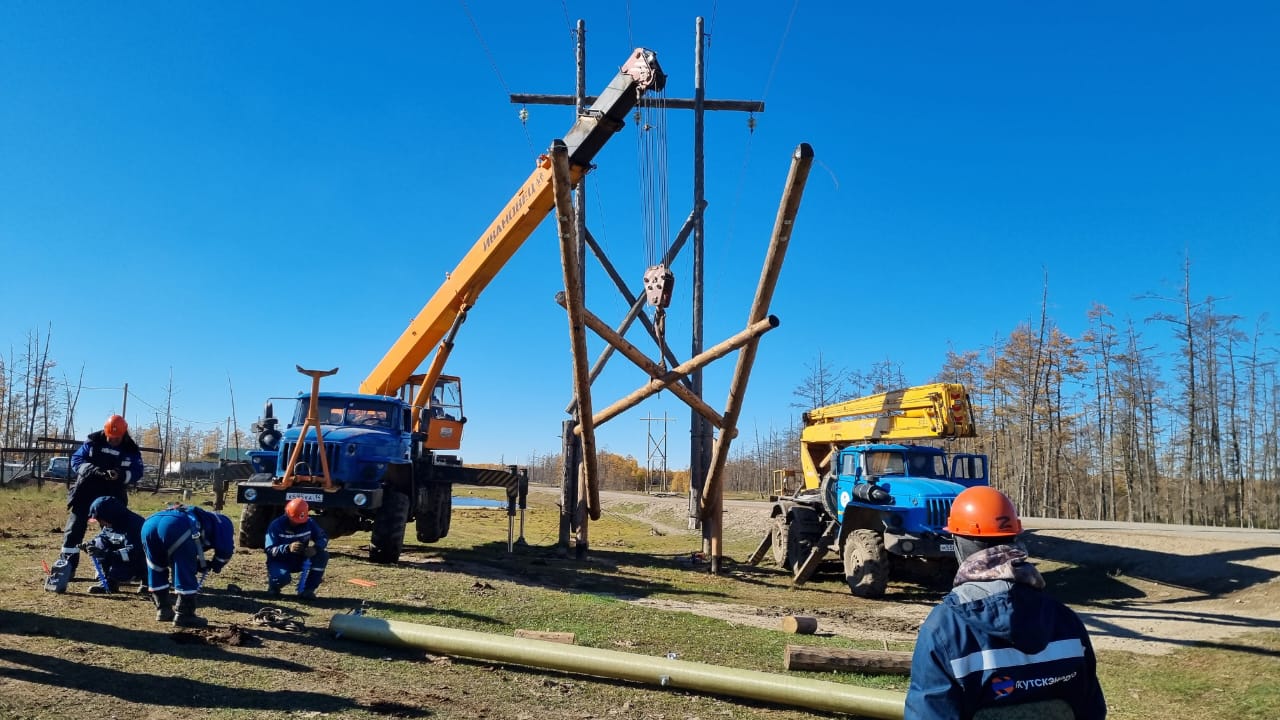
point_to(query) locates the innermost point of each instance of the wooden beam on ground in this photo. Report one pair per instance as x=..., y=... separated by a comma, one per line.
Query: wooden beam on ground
x=799, y=624
x=867, y=662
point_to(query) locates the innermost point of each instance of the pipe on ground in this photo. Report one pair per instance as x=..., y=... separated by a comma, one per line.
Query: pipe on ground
x=768, y=687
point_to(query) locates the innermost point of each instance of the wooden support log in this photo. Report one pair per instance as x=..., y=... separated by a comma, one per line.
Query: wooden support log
x=566, y=638
x=810, y=565
x=799, y=624
x=867, y=662
x=761, y=549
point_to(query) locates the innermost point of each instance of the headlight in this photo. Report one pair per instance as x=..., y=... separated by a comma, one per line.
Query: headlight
x=250, y=494
x=360, y=499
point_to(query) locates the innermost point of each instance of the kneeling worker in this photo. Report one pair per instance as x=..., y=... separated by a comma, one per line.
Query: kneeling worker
x=998, y=646
x=178, y=538
x=295, y=543
x=117, y=550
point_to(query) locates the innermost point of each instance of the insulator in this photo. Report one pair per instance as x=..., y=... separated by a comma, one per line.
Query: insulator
x=751, y=123
x=524, y=115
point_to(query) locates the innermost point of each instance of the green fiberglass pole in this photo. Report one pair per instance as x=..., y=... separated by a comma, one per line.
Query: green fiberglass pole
x=666, y=672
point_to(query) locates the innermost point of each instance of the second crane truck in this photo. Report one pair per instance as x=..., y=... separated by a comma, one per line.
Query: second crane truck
x=872, y=499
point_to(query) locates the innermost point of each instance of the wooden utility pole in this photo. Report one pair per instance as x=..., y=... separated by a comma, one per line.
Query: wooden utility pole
x=700, y=431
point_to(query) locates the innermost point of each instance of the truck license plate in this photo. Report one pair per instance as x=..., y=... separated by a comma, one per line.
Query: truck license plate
x=309, y=497
x=947, y=547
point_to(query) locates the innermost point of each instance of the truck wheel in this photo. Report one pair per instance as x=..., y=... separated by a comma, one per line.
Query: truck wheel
x=435, y=506
x=254, y=520
x=866, y=564
x=779, y=542
x=387, y=536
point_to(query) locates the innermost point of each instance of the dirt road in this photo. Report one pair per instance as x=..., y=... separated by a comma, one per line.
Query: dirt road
x=1140, y=587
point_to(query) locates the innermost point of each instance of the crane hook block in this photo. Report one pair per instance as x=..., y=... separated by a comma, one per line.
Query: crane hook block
x=658, y=282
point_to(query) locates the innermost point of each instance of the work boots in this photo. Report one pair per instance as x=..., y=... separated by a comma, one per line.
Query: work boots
x=186, y=613
x=164, y=605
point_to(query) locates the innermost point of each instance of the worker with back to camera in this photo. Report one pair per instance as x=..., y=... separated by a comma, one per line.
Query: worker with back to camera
x=998, y=646
x=178, y=537
x=108, y=463
x=118, y=547
x=293, y=540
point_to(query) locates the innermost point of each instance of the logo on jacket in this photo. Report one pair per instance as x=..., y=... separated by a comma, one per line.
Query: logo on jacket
x=1002, y=685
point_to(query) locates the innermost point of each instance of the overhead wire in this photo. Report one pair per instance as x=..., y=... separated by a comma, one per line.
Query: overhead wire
x=493, y=63
x=746, y=153
x=51, y=382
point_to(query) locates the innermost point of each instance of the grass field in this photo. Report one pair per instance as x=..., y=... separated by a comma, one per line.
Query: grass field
x=81, y=655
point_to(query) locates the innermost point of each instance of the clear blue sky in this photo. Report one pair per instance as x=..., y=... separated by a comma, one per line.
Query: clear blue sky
x=222, y=191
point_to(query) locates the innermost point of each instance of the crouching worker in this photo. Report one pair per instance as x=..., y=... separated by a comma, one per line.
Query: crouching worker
x=178, y=538
x=295, y=543
x=117, y=550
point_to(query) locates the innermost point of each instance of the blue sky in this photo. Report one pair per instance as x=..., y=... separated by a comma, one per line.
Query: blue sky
x=217, y=192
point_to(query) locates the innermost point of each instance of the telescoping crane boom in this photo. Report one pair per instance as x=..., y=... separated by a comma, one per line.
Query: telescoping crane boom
x=439, y=319
x=934, y=412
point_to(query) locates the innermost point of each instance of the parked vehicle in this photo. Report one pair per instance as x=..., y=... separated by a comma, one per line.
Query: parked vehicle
x=873, y=501
x=59, y=467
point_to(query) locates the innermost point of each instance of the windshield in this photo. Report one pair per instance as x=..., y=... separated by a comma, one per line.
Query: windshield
x=349, y=412
x=884, y=462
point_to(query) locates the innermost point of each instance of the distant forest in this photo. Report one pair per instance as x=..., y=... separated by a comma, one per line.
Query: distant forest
x=1104, y=426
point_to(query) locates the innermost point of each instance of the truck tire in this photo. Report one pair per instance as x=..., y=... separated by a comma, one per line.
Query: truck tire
x=779, y=536
x=435, y=507
x=866, y=564
x=254, y=520
x=803, y=530
x=387, y=536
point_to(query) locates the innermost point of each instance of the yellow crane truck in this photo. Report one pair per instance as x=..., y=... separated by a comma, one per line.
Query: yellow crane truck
x=872, y=498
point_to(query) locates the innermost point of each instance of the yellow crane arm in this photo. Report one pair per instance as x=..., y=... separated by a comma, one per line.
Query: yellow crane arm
x=513, y=225
x=940, y=410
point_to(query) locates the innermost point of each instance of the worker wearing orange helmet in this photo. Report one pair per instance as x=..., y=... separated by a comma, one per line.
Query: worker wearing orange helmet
x=107, y=464
x=296, y=544
x=997, y=641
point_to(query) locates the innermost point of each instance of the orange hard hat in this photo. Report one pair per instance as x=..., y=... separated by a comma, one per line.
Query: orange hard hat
x=115, y=427
x=297, y=510
x=983, y=511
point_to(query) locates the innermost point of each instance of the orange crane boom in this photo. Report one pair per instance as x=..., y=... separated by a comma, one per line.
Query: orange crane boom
x=439, y=319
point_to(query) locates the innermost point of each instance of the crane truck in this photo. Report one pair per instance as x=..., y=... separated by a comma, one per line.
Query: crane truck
x=871, y=497
x=374, y=460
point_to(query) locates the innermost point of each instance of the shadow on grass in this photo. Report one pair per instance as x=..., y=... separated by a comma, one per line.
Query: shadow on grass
x=148, y=688
x=612, y=572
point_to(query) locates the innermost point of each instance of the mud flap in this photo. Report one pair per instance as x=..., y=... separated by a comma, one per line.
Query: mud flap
x=58, y=577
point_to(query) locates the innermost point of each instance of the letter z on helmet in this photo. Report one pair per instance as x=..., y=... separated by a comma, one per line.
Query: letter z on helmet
x=983, y=512
x=297, y=510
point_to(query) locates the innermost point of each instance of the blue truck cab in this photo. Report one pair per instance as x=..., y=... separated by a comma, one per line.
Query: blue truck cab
x=903, y=492
x=365, y=437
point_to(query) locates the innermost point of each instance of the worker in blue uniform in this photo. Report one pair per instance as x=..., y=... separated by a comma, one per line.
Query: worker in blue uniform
x=108, y=463
x=117, y=550
x=998, y=645
x=296, y=544
x=177, y=538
